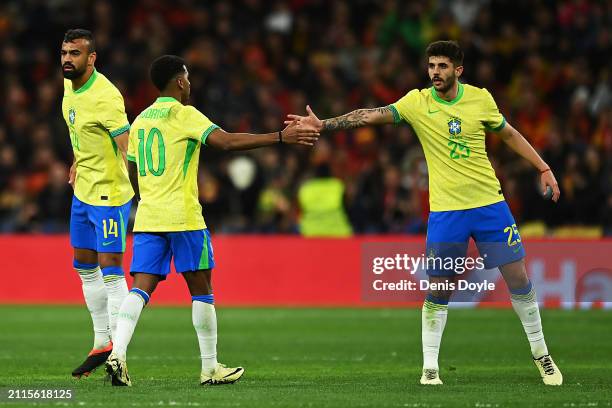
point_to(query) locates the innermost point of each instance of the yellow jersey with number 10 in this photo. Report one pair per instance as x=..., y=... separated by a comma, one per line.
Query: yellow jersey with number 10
x=95, y=114
x=452, y=134
x=165, y=145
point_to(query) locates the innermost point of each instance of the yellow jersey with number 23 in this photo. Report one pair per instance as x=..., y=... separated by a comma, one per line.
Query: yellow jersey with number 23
x=452, y=134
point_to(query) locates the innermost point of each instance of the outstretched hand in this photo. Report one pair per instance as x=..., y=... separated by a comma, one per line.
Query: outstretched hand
x=310, y=120
x=298, y=132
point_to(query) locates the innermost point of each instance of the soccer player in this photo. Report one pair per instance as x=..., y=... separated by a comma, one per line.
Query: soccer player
x=95, y=114
x=450, y=120
x=163, y=154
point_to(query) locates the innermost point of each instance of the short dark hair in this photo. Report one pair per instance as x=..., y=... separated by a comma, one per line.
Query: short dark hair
x=78, y=33
x=448, y=49
x=164, y=68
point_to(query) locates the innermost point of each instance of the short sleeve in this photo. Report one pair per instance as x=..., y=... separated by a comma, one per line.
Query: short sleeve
x=493, y=120
x=112, y=115
x=404, y=108
x=197, y=126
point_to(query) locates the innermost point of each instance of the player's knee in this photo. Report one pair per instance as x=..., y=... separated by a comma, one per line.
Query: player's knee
x=440, y=295
x=110, y=259
x=85, y=256
x=145, y=282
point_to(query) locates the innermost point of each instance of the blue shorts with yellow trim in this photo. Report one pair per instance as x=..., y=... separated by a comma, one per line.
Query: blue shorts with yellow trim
x=191, y=250
x=492, y=227
x=98, y=227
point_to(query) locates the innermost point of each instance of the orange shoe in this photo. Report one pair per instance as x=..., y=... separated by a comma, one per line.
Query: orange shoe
x=95, y=359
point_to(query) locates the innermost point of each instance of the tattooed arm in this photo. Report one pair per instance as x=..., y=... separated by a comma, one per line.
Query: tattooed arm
x=354, y=119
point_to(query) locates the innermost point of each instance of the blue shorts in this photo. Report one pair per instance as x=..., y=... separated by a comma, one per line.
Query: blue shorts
x=98, y=227
x=192, y=251
x=492, y=227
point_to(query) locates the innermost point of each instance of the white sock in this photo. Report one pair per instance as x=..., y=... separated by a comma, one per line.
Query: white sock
x=433, y=320
x=526, y=307
x=204, y=320
x=128, y=316
x=95, y=298
x=116, y=290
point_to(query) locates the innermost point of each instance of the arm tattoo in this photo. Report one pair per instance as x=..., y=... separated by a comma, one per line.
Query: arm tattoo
x=354, y=119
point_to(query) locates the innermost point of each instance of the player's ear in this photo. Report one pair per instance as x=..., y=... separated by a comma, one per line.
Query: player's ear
x=91, y=58
x=459, y=70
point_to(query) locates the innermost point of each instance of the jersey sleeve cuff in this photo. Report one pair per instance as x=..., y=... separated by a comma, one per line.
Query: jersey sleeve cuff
x=396, y=116
x=131, y=158
x=119, y=131
x=208, y=132
x=498, y=128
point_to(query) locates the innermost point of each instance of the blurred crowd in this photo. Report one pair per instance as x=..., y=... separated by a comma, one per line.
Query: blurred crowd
x=547, y=63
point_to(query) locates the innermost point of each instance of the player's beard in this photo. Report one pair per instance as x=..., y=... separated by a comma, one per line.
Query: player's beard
x=447, y=84
x=74, y=73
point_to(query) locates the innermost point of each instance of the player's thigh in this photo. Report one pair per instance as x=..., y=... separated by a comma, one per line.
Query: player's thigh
x=152, y=254
x=448, y=233
x=496, y=235
x=82, y=233
x=194, y=258
x=111, y=227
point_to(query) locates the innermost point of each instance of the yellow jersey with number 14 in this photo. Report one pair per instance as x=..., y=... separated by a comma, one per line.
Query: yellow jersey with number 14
x=452, y=134
x=95, y=114
x=165, y=145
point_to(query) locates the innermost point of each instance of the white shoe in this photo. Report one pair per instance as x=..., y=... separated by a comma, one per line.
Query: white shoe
x=117, y=371
x=222, y=375
x=430, y=377
x=548, y=370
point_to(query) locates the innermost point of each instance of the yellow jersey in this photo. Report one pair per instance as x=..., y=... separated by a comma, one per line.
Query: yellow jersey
x=95, y=114
x=452, y=134
x=165, y=145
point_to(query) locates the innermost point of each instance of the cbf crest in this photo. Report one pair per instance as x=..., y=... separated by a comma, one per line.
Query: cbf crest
x=71, y=116
x=454, y=126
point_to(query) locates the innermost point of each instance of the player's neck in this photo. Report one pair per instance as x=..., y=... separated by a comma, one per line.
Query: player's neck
x=451, y=93
x=78, y=83
x=171, y=94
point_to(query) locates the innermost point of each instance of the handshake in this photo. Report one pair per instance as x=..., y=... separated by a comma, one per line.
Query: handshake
x=302, y=130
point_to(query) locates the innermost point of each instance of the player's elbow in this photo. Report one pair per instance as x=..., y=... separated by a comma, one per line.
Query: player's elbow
x=226, y=144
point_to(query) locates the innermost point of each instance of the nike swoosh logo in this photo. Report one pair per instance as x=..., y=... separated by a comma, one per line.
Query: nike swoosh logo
x=430, y=111
x=232, y=373
x=107, y=243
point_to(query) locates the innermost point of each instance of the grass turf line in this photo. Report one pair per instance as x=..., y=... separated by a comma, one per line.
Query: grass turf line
x=315, y=358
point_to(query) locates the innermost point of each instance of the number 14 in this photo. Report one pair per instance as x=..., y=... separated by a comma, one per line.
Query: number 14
x=110, y=228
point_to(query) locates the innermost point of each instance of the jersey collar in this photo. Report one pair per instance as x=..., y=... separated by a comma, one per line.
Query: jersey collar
x=165, y=99
x=89, y=82
x=451, y=102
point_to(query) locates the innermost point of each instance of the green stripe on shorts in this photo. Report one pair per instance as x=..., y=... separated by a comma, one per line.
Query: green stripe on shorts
x=204, y=261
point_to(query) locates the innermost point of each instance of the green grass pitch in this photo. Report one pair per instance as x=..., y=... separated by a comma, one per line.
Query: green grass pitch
x=314, y=358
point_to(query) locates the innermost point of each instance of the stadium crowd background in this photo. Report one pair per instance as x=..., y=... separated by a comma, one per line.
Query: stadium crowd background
x=253, y=61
